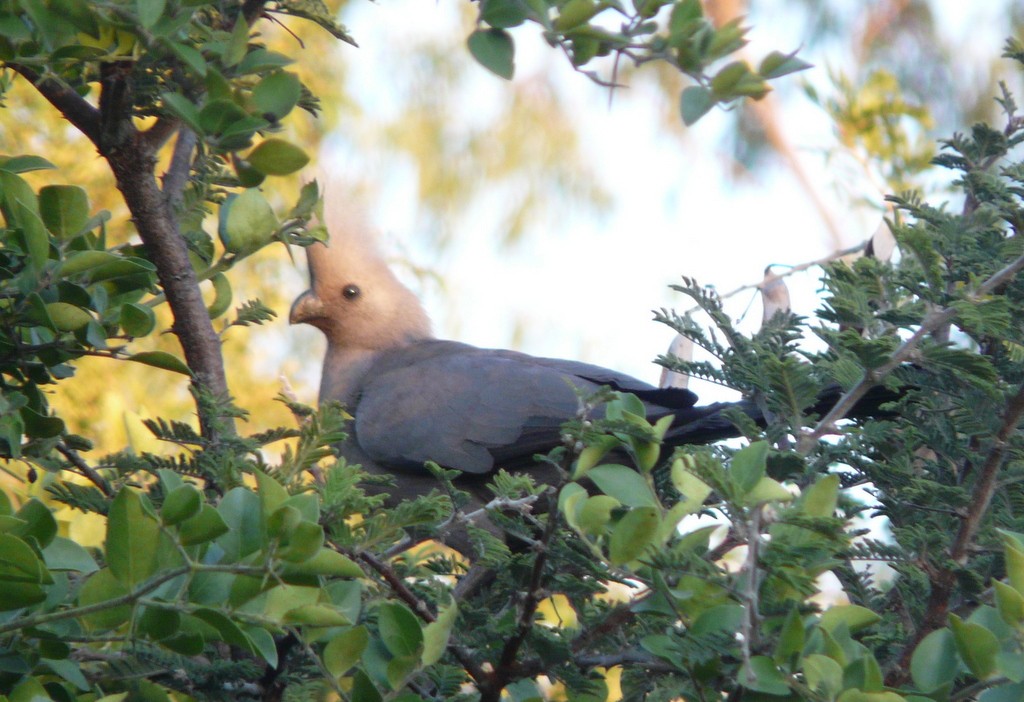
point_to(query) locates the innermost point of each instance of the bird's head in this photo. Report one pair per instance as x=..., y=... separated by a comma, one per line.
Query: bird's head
x=354, y=298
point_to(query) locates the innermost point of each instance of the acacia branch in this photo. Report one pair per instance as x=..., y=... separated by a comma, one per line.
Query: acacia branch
x=944, y=580
x=75, y=109
x=935, y=320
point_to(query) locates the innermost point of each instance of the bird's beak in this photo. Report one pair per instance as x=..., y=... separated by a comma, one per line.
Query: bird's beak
x=306, y=308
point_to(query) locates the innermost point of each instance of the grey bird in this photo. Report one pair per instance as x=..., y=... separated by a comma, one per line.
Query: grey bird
x=415, y=398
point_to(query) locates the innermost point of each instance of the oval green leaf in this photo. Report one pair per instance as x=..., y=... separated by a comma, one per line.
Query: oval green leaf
x=277, y=157
x=494, y=50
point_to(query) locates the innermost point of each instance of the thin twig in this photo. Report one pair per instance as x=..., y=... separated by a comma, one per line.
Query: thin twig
x=768, y=280
x=421, y=609
x=84, y=468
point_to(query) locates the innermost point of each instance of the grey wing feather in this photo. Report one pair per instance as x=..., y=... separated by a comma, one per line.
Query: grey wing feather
x=462, y=407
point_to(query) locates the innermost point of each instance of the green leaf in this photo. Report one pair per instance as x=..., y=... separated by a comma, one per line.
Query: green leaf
x=157, y=623
x=570, y=501
x=596, y=513
x=437, y=632
x=161, y=359
x=791, y=638
x=327, y=563
x=864, y=673
x=277, y=157
x=693, y=490
x=823, y=675
x=137, y=320
x=100, y=587
x=853, y=617
x=767, y=490
x=241, y=511
x=203, y=527
x=149, y=11
x=399, y=629
x=503, y=14
x=65, y=554
x=777, y=64
x=247, y=221
x=762, y=676
x=624, y=484
x=272, y=493
x=1003, y=693
x=132, y=538
x=305, y=543
x=820, y=499
x=184, y=109
x=261, y=60
x=264, y=642
x=363, y=688
x=41, y=426
x=39, y=522
x=935, y=662
x=20, y=207
x=976, y=645
x=1014, y=565
x=191, y=57
x=316, y=615
x=222, y=296
x=29, y=690
x=277, y=94
x=237, y=45
x=227, y=630
x=283, y=522
x=64, y=209
x=18, y=562
x=632, y=535
x=67, y=317
x=24, y=164
x=576, y=12
x=1010, y=603
x=593, y=452
x=748, y=466
x=695, y=102
x=494, y=50
x=343, y=651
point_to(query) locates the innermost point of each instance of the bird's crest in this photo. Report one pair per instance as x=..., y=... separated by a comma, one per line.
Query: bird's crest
x=354, y=298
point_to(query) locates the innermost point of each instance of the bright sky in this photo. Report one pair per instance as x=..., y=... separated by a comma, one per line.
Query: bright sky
x=584, y=288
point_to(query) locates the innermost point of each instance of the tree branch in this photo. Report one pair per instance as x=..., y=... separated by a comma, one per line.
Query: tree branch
x=84, y=468
x=421, y=609
x=871, y=378
x=944, y=581
x=75, y=109
x=176, y=177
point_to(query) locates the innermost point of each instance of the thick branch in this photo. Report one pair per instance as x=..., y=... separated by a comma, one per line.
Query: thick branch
x=158, y=228
x=73, y=106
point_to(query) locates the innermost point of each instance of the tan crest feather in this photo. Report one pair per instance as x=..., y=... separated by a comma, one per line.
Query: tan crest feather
x=383, y=313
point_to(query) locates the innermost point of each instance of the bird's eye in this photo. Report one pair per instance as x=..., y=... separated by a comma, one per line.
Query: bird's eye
x=350, y=291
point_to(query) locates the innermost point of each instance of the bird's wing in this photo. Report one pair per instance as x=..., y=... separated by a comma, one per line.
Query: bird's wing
x=472, y=409
x=463, y=407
